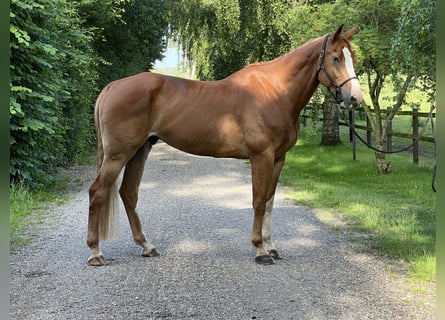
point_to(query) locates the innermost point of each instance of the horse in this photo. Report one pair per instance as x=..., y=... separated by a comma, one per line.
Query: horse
x=252, y=114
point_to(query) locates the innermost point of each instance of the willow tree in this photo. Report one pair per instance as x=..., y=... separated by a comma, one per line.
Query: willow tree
x=223, y=36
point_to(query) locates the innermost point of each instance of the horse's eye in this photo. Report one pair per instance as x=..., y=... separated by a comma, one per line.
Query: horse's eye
x=336, y=59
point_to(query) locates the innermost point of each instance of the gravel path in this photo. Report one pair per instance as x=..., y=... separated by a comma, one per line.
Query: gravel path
x=197, y=212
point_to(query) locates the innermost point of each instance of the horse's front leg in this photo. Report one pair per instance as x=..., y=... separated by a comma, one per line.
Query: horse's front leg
x=267, y=230
x=262, y=176
x=267, y=222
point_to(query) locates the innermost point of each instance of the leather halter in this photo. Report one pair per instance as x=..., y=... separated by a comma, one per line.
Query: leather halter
x=321, y=67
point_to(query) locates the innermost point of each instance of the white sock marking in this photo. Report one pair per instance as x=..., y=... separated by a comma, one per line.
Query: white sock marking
x=267, y=232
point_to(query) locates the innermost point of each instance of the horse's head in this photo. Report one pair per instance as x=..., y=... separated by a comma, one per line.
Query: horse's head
x=336, y=68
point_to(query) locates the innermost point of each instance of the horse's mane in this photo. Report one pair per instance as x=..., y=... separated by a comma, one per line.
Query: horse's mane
x=298, y=49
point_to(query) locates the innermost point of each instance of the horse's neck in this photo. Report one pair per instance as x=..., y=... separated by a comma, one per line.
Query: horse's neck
x=293, y=76
x=300, y=73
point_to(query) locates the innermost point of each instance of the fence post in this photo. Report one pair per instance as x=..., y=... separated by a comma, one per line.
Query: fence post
x=368, y=131
x=415, y=135
x=389, y=136
x=351, y=134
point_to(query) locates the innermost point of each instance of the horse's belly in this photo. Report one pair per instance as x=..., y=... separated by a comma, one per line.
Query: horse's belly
x=218, y=139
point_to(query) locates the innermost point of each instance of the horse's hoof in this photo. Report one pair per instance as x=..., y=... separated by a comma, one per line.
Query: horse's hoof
x=274, y=254
x=264, y=260
x=97, y=261
x=150, y=253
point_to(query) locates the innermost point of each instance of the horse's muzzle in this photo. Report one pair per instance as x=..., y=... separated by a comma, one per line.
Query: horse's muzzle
x=352, y=96
x=351, y=102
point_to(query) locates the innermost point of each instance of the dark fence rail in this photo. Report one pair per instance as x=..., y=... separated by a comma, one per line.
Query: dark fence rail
x=418, y=120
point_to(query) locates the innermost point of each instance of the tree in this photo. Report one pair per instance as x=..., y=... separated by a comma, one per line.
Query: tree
x=62, y=53
x=222, y=36
x=413, y=48
x=47, y=46
x=128, y=35
x=385, y=26
x=378, y=24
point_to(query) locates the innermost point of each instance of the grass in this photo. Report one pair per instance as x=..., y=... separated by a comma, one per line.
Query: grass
x=396, y=210
x=27, y=207
x=23, y=212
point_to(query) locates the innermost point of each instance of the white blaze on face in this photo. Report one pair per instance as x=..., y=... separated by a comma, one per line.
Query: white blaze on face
x=356, y=91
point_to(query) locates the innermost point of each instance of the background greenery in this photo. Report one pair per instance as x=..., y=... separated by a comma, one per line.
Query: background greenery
x=62, y=54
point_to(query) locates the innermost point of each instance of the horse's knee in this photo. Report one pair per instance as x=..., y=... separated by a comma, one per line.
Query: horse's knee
x=256, y=240
x=259, y=206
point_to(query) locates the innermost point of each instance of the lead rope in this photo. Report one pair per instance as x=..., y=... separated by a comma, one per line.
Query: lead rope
x=430, y=118
x=433, y=181
x=352, y=127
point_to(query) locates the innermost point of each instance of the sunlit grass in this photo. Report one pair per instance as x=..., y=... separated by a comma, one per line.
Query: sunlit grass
x=27, y=208
x=23, y=212
x=398, y=209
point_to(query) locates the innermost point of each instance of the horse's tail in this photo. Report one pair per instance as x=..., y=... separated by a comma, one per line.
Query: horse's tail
x=109, y=213
x=109, y=216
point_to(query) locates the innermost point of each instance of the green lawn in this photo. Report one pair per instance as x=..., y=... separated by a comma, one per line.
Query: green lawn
x=27, y=207
x=396, y=210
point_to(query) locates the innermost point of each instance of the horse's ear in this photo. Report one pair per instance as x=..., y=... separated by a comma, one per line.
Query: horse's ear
x=348, y=35
x=338, y=33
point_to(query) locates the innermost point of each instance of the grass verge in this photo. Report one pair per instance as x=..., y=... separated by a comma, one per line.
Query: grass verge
x=396, y=210
x=27, y=207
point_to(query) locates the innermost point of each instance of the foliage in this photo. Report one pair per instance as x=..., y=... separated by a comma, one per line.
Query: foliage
x=46, y=63
x=62, y=53
x=379, y=25
x=129, y=35
x=413, y=48
x=221, y=37
x=388, y=27
x=21, y=204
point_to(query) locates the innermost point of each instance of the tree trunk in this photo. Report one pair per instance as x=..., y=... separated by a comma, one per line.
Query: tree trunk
x=330, y=128
x=383, y=166
x=375, y=86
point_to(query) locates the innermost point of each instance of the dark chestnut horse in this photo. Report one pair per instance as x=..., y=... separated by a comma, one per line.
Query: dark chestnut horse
x=252, y=114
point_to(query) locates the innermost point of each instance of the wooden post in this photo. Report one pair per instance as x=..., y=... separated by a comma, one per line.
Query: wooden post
x=368, y=131
x=351, y=134
x=415, y=135
x=389, y=136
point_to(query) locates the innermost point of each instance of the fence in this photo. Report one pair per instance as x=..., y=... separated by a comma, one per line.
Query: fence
x=413, y=136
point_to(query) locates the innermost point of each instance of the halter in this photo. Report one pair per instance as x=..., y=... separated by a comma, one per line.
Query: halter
x=337, y=94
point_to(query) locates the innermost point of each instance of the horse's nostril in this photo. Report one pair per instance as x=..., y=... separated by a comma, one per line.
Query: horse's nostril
x=353, y=100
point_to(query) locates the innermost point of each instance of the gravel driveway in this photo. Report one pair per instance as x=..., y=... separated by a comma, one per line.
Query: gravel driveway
x=197, y=212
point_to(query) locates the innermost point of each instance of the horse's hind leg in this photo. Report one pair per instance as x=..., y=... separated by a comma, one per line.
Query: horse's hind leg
x=102, y=201
x=129, y=194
